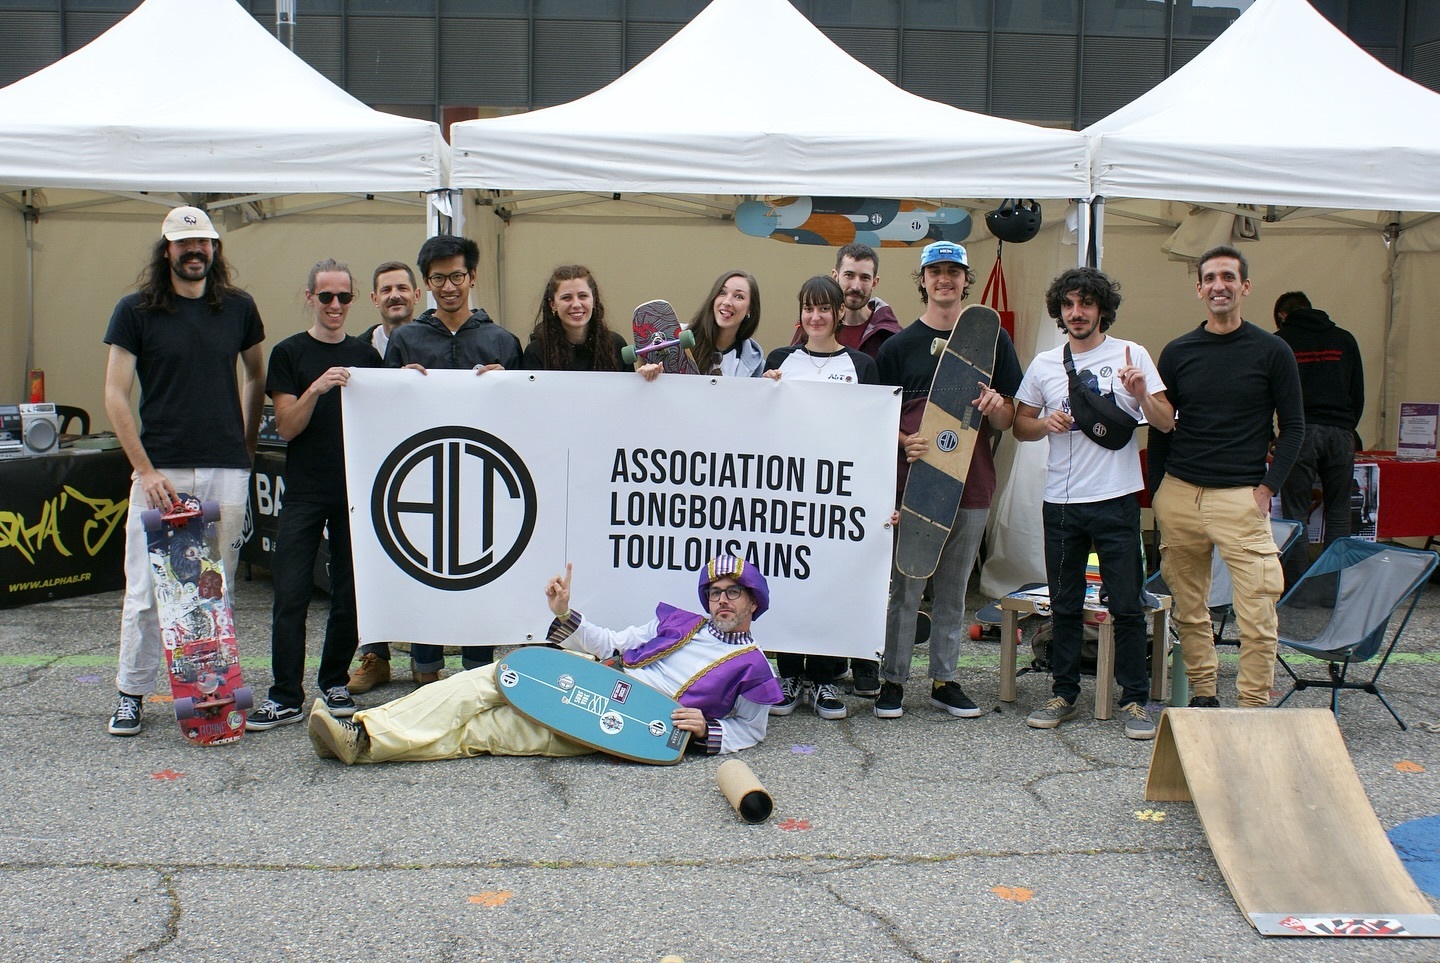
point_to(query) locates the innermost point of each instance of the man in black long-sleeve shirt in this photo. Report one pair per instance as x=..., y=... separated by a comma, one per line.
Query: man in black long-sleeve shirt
x=1332, y=383
x=1228, y=380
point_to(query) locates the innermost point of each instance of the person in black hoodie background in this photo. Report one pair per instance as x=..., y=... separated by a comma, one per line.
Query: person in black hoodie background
x=1332, y=380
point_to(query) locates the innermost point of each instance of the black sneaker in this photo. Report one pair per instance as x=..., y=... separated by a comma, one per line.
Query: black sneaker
x=826, y=700
x=126, y=720
x=1204, y=702
x=950, y=697
x=269, y=714
x=789, y=696
x=889, y=704
x=866, y=674
x=338, y=701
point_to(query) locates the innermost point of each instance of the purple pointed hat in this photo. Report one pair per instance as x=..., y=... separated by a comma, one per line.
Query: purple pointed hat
x=730, y=566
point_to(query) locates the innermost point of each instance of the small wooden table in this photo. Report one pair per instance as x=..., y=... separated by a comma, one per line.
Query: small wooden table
x=1037, y=602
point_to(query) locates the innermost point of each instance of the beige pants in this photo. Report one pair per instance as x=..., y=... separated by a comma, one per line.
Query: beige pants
x=464, y=715
x=1194, y=522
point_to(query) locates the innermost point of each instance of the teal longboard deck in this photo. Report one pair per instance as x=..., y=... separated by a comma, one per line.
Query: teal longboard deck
x=936, y=481
x=593, y=704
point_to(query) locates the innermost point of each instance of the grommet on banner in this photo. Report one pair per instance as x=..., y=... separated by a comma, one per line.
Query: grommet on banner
x=744, y=792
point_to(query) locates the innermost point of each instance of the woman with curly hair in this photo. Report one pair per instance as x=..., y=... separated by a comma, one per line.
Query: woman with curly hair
x=723, y=327
x=570, y=332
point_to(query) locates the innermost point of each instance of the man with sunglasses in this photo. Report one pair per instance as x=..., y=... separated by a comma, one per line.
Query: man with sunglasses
x=306, y=372
x=451, y=335
x=724, y=683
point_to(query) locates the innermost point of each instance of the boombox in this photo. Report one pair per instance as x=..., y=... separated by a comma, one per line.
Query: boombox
x=32, y=429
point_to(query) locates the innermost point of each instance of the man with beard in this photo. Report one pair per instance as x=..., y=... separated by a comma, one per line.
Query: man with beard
x=1090, y=489
x=725, y=685
x=180, y=333
x=907, y=363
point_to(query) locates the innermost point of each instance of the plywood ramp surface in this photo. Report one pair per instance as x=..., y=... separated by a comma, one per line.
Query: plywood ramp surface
x=1285, y=814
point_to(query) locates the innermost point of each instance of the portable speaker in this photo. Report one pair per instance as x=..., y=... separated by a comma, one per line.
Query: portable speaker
x=40, y=428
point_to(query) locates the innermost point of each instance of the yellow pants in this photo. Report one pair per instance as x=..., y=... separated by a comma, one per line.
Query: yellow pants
x=1194, y=522
x=464, y=715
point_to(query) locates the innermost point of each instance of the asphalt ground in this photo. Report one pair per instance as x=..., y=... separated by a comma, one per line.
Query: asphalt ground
x=923, y=838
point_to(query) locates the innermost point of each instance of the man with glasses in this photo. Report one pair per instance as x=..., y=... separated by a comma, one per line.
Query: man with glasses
x=180, y=334
x=451, y=335
x=724, y=683
x=306, y=372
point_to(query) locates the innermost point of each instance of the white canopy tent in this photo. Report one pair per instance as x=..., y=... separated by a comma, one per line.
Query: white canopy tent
x=1280, y=109
x=196, y=96
x=751, y=98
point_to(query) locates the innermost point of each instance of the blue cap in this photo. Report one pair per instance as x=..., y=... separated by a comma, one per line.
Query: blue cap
x=943, y=251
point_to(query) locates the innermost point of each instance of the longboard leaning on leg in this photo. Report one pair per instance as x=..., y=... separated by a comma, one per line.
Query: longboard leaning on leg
x=937, y=480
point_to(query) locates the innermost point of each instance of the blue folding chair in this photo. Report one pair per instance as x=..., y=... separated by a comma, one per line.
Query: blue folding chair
x=1340, y=612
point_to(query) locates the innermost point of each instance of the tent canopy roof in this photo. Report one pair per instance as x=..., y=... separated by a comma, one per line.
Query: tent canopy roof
x=1282, y=108
x=195, y=95
x=751, y=98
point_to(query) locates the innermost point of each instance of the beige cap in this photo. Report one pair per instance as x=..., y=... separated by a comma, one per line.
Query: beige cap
x=187, y=222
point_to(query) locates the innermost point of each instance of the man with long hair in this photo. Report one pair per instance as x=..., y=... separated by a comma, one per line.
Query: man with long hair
x=180, y=333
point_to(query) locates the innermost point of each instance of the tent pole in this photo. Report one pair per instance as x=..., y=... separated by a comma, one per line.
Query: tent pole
x=30, y=213
x=1392, y=257
x=1082, y=231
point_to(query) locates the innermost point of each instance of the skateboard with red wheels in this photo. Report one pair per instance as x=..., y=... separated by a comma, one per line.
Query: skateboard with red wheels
x=659, y=340
x=197, y=624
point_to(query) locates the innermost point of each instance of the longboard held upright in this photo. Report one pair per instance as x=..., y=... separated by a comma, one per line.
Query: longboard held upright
x=658, y=338
x=937, y=480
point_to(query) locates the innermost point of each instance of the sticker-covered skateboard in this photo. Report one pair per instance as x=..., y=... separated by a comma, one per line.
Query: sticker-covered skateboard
x=197, y=624
x=659, y=340
x=951, y=422
x=593, y=704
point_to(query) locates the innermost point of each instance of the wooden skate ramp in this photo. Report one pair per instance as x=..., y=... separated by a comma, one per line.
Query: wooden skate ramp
x=1288, y=822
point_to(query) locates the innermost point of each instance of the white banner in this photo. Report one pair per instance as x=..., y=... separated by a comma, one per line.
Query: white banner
x=468, y=491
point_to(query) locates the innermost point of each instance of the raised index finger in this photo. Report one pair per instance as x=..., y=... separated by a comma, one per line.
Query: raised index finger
x=1127, y=356
x=568, y=567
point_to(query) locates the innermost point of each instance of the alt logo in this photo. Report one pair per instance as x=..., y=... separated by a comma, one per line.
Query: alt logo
x=947, y=440
x=453, y=507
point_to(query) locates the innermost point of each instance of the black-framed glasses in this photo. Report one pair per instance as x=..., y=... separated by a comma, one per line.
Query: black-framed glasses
x=456, y=278
x=731, y=592
x=325, y=297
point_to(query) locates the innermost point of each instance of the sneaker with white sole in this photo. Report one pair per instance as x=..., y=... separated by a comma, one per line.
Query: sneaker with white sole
x=866, y=674
x=1051, y=714
x=950, y=697
x=890, y=703
x=269, y=714
x=126, y=719
x=825, y=699
x=338, y=701
x=790, y=696
x=1138, y=724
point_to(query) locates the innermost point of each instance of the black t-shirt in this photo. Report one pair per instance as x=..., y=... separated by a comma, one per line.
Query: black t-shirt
x=315, y=458
x=185, y=360
x=581, y=357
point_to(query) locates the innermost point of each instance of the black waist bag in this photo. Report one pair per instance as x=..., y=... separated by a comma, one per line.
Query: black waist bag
x=1098, y=418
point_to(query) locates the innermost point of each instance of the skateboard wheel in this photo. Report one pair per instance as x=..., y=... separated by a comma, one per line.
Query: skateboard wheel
x=976, y=632
x=627, y=354
x=184, y=708
x=209, y=511
x=244, y=697
x=937, y=347
x=687, y=339
x=150, y=518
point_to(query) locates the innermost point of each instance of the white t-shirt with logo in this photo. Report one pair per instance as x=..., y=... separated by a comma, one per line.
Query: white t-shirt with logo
x=1080, y=470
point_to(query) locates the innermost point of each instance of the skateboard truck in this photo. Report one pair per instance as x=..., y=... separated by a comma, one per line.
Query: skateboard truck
x=629, y=353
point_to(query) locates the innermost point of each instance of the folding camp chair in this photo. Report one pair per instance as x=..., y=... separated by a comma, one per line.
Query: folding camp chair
x=1340, y=611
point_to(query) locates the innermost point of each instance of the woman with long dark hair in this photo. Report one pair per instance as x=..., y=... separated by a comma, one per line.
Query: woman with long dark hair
x=724, y=325
x=570, y=332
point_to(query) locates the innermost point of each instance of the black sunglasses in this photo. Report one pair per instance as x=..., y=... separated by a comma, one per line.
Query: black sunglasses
x=325, y=297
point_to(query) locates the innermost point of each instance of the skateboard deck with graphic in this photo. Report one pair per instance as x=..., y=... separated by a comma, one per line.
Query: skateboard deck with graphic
x=654, y=323
x=197, y=625
x=593, y=704
x=937, y=480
